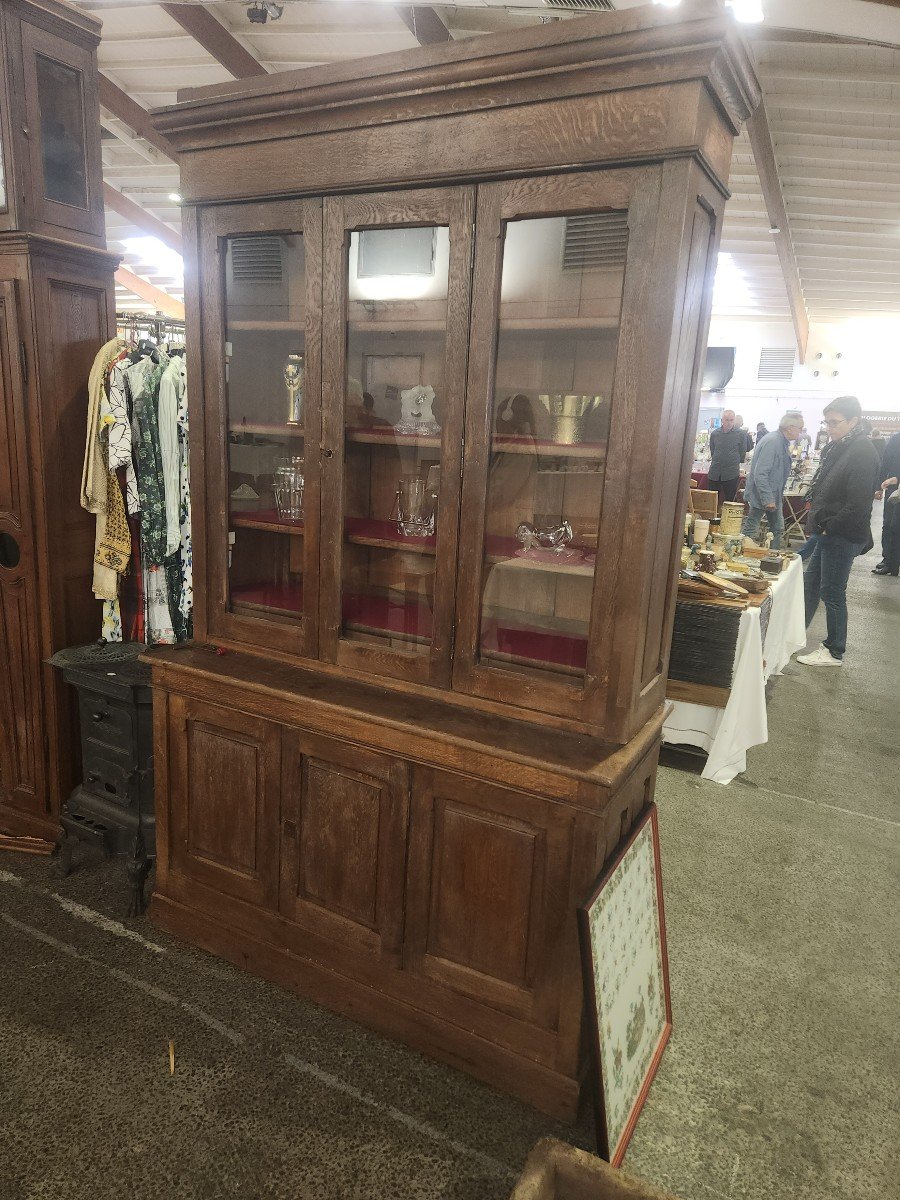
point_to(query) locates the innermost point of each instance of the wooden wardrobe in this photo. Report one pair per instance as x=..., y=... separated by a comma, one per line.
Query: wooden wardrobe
x=57, y=307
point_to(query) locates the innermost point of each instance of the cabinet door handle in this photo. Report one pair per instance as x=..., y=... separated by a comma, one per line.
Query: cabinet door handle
x=93, y=777
x=99, y=716
x=327, y=452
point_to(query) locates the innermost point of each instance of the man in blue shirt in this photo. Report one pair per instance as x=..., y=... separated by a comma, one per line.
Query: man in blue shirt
x=769, y=471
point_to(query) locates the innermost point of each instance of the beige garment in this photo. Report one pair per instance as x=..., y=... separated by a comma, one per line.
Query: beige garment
x=95, y=476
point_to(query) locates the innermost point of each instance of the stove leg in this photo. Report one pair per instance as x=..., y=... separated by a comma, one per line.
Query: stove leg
x=62, y=852
x=137, y=868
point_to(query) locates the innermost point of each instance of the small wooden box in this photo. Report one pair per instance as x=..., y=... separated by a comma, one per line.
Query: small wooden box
x=556, y=1171
x=702, y=503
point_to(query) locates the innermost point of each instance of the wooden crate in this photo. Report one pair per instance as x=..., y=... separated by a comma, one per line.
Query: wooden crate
x=556, y=1171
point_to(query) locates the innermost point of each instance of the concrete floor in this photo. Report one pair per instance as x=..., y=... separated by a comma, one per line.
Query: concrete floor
x=781, y=1079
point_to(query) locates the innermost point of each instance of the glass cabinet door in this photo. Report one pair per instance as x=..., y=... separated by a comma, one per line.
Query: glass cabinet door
x=264, y=372
x=395, y=329
x=549, y=288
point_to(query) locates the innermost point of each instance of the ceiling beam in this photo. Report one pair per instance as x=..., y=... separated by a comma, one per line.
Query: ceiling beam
x=766, y=165
x=820, y=101
x=121, y=105
x=140, y=217
x=215, y=39
x=772, y=33
x=160, y=300
x=117, y=128
x=424, y=24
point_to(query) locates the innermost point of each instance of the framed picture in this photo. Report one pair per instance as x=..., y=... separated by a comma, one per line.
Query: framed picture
x=626, y=975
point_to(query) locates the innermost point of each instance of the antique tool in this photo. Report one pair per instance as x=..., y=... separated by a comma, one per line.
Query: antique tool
x=725, y=585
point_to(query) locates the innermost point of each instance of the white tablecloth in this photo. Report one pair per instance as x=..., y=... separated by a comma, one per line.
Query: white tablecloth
x=726, y=734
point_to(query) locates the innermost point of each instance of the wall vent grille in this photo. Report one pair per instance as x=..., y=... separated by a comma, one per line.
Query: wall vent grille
x=776, y=363
x=595, y=242
x=256, y=259
x=581, y=5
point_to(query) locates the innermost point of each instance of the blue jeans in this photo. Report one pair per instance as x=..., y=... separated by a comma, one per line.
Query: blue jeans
x=825, y=578
x=775, y=517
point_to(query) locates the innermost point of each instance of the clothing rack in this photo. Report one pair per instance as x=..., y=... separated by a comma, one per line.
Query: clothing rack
x=157, y=328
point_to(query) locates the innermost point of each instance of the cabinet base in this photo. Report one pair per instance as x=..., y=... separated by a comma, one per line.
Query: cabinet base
x=549, y=1092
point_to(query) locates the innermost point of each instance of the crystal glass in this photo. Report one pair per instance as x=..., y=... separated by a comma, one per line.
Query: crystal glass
x=415, y=507
x=288, y=488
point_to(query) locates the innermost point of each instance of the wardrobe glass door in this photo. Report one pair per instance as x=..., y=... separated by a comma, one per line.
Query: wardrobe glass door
x=395, y=332
x=264, y=382
x=553, y=258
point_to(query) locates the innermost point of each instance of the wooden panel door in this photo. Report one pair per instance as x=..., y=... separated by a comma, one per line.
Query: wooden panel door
x=396, y=313
x=562, y=267
x=261, y=315
x=22, y=754
x=488, y=888
x=344, y=820
x=62, y=111
x=223, y=799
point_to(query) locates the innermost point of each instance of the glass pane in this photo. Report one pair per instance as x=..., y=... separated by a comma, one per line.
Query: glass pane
x=560, y=304
x=265, y=298
x=62, y=132
x=393, y=417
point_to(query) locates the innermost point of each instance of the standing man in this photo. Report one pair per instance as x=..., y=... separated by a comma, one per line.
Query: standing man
x=769, y=471
x=890, y=529
x=840, y=516
x=728, y=448
x=748, y=437
x=761, y=432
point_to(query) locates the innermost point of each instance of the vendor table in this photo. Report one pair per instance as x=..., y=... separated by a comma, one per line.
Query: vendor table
x=726, y=734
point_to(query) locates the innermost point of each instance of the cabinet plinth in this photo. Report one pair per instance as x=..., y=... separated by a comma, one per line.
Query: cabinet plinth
x=444, y=406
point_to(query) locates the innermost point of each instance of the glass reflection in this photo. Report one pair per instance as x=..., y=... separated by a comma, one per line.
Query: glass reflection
x=560, y=302
x=62, y=132
x=265, y=298
x=393, y=421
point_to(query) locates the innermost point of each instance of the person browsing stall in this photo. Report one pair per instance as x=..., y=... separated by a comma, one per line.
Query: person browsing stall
x=839, y=522
x=728, y=449
x=769, y=471
x=890, y=529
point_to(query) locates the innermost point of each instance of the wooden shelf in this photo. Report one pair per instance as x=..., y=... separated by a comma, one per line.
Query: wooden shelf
x=551, y=324
x=386, y=435
x=291, y=431
x=262, y=325
x=266, y=519
x=384, y=535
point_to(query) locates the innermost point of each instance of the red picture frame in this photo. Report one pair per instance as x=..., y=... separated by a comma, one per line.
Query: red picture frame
x=613, y=1138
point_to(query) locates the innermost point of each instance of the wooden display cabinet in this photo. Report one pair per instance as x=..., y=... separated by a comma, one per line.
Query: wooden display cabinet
x=57, y=307
x=428, y=730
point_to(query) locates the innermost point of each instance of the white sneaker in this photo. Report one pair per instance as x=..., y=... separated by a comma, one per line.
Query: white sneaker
x=821, y=657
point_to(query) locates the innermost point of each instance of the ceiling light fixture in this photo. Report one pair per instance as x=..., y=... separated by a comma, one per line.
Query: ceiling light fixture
x=750, y=12
x=667, y=3
x=260, y=12
x=774, y=229
x=174, y=197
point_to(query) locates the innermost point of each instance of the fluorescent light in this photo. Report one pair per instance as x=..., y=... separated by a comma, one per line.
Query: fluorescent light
x=667, y=3
x=160, y=258
x=750, y=12
x=175, y=197
x=731, y=289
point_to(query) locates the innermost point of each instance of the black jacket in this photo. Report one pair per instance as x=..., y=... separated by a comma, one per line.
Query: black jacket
x=890, y=462
x=842, y=493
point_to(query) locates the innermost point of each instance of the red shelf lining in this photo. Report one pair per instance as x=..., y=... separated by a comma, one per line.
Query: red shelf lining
x=413, y=619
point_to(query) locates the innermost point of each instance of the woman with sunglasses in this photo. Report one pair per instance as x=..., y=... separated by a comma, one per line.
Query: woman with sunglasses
x=839, y=522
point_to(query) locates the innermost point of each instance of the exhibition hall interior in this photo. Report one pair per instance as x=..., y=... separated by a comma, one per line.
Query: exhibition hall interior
x=420, y=778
